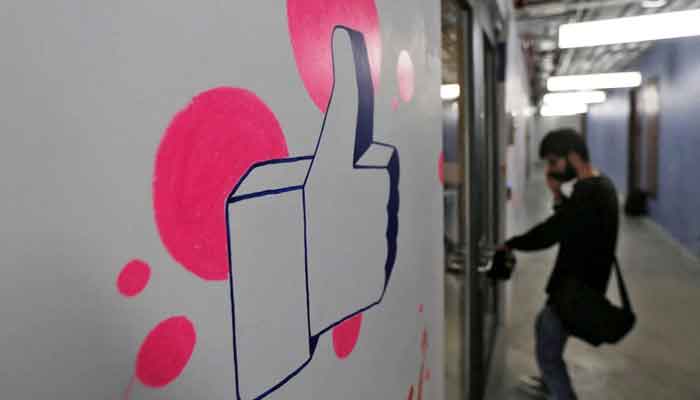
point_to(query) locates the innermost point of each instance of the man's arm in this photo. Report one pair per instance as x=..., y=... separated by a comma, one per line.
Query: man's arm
x=572, y=215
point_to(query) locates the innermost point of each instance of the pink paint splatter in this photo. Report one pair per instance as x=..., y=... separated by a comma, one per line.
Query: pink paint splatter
x=206, y=149
x=133, y=278
x=165, y=352
x=345, y=336
x=410, y=393
x=394, y=103
x=406, y=76
x=311, y=24
x=129, y=388
x=441, y=167
x=423, y=371
x=420, y=381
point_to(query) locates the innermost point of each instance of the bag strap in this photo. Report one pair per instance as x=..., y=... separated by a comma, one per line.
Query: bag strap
x=626, y=304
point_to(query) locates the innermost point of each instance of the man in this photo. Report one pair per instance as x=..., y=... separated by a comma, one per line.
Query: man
x=585, y=225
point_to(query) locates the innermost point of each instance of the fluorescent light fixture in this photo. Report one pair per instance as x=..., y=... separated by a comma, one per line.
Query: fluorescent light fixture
x=630, y=29
x=654, y=3
x=449, y=92
x=594, y=81
x=587, y=97
x=563, y=110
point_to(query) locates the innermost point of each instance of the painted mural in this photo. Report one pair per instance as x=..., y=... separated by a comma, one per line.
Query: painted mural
x=228, y=135
x=286, y=243
x=316, y=287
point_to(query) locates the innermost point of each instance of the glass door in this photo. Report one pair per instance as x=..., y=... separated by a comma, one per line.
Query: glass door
x=455, y=109
x=472, y=200
x=485, y=181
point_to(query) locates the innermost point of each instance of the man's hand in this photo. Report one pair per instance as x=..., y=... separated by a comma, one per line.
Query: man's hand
x=555, y=186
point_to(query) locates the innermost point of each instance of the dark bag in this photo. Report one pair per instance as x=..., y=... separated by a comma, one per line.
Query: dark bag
x=503, y=265
x=589, y=315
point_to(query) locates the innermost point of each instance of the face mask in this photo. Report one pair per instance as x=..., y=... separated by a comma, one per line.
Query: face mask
x=566, y=176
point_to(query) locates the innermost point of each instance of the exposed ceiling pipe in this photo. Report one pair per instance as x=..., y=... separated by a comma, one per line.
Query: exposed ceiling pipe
x=627, y=53
x=569, y=54
x=557, y=9
x=588, y=53
x=543, y=30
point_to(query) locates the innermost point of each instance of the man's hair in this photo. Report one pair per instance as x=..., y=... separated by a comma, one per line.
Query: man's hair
x=561, y=142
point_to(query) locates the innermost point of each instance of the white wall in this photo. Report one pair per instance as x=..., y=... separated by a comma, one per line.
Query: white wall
x=519, y=109
x=88, y=91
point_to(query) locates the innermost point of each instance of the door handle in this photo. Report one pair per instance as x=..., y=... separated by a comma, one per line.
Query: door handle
x=485, y=267
x=486, y=258
x=457, y=259
x=485, y=262
x=486, y=254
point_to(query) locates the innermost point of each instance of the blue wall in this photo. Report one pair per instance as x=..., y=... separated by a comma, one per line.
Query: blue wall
x=676, y=65
x=607, y=137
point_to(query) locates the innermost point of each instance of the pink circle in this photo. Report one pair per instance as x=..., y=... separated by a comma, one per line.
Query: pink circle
x=311, y=24
x=441, y=167
x=204, y=152
x=133, y=278
x=165, y=352
x=345, y=336
x=406, y=76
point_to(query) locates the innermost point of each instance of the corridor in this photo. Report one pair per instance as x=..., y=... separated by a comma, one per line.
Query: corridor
x=661, y=357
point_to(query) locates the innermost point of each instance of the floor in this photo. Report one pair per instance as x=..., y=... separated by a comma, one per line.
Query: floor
x=660, y=359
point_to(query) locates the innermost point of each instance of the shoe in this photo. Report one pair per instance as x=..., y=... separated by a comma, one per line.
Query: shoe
x=534, y=387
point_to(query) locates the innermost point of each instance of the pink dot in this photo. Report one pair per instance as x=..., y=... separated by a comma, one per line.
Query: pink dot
x=345, y=336
x=410, y=393
x=427, y=374
x=406, y=76
x=133, y=278
x=441, y=167
x=311, y=24
x=420, y=308
x=394, y=103
x=204, y=152
x=165, y=352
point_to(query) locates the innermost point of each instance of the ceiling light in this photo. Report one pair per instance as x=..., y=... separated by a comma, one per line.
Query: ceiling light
x=630, y=29
x=587, y=97
x=654, y=3
x=449, y=92
x=594, y=81
x=546, y=45
x=563, y=110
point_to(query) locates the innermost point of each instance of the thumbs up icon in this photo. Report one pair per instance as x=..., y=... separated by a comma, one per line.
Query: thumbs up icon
x=312, y=239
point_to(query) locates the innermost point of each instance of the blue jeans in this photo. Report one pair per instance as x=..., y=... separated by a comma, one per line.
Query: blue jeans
x=550, y=338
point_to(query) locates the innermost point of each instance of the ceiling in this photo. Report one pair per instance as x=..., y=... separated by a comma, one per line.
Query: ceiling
x=538, y=25
x=451, y=47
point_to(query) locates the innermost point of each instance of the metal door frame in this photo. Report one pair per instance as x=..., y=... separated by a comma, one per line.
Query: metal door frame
x=477, y=26
x=483, y=135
